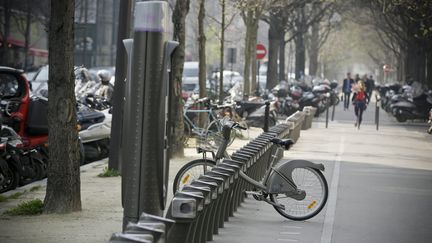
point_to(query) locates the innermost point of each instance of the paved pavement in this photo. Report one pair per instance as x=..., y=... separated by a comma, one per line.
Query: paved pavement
x=380, y=191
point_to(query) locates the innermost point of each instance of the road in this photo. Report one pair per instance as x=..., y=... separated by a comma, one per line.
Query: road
x=380, y=186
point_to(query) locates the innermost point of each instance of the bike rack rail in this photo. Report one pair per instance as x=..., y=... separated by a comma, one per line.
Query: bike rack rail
x=198, y=211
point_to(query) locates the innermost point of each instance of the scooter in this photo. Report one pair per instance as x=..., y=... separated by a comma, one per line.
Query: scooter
x=94, y=132
x=411, y=109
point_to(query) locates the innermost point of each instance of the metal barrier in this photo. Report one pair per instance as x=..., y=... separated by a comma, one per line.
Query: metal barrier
x=296, y=122
x=198, y=211
x=309, y=115
x=201, y=208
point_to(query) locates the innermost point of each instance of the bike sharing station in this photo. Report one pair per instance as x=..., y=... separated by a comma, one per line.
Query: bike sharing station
x=197, y=211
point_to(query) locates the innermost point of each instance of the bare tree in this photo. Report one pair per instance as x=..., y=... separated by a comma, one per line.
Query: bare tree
x=251, y=12
x=5, y=32
x=63, y=186
x=180, y=12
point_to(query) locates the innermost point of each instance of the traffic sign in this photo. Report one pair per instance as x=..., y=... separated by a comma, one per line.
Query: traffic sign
x=261, y=51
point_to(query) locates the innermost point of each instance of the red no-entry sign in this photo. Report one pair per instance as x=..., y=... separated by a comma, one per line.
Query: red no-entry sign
x=261, y=51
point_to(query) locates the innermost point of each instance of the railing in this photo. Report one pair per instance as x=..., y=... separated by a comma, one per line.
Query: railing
x=198, y=211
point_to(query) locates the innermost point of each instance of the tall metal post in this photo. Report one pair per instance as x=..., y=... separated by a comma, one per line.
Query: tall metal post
x=115, y=157
x=333, y=112
x=144, y=137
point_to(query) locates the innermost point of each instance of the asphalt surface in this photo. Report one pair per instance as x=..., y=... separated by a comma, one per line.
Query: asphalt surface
x=380, y=185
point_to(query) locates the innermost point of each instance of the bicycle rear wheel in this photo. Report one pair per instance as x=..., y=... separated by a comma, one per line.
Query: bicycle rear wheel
x=313, y=182
x=191, y=171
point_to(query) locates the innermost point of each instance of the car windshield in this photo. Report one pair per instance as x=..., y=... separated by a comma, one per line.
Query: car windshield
x=42, y=74
x=189, y=87
x=190, y=72
x=41, y=90
x=9, y=86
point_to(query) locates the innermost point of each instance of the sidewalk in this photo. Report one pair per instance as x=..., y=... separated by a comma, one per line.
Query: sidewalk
x=101, y=214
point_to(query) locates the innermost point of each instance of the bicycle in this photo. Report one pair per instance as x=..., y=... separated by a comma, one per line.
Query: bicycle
x=299, y=184
x=212, y=126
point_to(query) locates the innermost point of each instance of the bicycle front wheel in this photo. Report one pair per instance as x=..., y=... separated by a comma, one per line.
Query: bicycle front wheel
x=191, y=171
x=313, y=182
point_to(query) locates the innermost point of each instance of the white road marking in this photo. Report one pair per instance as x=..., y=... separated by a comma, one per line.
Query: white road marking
x=288, y=240
x=326, y=236
x=293, y=227
x=289, y=233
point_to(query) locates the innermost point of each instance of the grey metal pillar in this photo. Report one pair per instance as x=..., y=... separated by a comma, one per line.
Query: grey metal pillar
x=144, y=137
x=115, y=159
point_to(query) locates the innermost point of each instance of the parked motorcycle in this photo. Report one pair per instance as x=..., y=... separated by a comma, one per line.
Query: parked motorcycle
x=412, y=108
x=8, y=177
x=25, y=165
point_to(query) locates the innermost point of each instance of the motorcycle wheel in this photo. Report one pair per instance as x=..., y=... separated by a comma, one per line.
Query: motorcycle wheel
x=8, y=179
x=401, y=118
x=39, y=166
x=82, y=157
x=430, y=130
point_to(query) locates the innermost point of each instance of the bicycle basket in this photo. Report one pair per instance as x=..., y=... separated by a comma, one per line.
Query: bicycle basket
x=208, y=140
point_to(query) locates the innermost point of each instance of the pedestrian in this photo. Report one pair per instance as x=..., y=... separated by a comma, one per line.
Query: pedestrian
x=370, y=85
x=357, y=77
x=346, y=89
x=359, y=100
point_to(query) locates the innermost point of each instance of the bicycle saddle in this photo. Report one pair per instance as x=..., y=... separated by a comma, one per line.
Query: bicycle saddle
x=285, y=143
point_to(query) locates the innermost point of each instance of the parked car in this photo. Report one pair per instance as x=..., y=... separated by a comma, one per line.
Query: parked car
x=230, y=78
x=190, y=77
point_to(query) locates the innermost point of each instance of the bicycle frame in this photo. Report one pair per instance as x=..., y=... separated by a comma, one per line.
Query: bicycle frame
x=210, y=117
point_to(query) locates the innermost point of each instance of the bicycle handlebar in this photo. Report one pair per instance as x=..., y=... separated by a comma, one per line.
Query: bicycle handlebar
x=236, y=125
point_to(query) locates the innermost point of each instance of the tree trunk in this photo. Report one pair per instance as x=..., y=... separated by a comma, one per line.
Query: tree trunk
x=253, y=44
x=246, y=76
x=63, y=185
x=5, y=57
x=177, y=126
x=27, y=36
x=202, y=58
x=300, y=56
x=314, y=50
x=414, y=59
x=222, y=41
x=282, y=74
x=276, y=33
x=429, y=68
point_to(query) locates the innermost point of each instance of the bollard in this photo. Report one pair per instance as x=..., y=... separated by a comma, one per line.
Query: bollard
x=333, y=112
x=377, y=108
x=327, y=115
x=266, y=116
